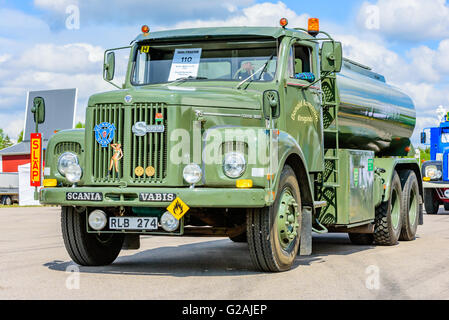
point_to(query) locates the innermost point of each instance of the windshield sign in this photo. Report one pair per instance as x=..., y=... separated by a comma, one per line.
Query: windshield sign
x=222, y=61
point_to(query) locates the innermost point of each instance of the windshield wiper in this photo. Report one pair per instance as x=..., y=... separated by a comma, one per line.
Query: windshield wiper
x=262, y=69
x=179, y=80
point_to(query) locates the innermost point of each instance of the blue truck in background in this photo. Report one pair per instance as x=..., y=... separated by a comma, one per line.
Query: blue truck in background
x=435, y=172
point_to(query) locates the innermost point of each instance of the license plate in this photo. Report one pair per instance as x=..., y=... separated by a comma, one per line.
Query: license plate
x=132, y=223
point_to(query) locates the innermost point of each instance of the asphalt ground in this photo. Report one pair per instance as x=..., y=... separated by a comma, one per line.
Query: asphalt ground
x=35, y=265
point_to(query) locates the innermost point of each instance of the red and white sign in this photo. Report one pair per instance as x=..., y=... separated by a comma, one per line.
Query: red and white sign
x=36, y=160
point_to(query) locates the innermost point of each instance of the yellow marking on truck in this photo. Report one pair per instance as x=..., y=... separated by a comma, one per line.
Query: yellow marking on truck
x=178, y=208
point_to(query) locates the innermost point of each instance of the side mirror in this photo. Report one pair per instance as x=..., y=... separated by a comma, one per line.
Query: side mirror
x=38, y=110
x=271, y=105
x=331, y=56
x=109, y=66
x=423, y=138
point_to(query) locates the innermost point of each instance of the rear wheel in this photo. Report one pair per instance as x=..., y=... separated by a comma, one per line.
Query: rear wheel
x=388, y=219
x=273, y=233
x=431, y=204
x=410, y=207
x=364, y=239
x=87, y=249
x=446, y=206
x=6, y=201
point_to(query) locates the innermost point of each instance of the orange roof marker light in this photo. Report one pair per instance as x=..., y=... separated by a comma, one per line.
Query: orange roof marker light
x=283, y=22
x=314, y=27
x=145, y=30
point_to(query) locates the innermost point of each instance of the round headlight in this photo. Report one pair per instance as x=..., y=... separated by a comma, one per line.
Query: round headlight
x=433, y=173
x=97, y=220
x=73, y=173
x=65, y=160
x=234, y=164
x=446, y=193
x=168, y=222
x=192, y=173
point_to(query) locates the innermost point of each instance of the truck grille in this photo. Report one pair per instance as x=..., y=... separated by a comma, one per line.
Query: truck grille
x=150, y=149
x=67, y=146
x=115, y=114
x=147, y=151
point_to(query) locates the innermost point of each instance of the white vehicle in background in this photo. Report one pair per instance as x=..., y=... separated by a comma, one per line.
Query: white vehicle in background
x=9, y=188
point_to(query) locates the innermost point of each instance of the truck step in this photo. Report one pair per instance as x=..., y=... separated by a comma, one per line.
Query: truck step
x=331, y=185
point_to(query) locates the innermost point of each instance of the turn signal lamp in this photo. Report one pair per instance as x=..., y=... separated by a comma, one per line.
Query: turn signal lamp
x=145, y=30
x=48, y=183
x=426, y=179
x=314, y=27
x=244, y=183
x=283, y=22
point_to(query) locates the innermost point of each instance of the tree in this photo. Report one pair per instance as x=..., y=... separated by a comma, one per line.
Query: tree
x=20, y=138
x=80, y=125
x=5, y=141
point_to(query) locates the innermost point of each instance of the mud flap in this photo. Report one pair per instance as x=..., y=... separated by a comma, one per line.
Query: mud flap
x=421, y=212
x=305, y=246
x=132, y=242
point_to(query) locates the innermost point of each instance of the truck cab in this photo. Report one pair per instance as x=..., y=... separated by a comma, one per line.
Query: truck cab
x=435, y=172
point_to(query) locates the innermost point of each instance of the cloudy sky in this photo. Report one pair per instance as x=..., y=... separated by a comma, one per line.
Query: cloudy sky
x=44, y=46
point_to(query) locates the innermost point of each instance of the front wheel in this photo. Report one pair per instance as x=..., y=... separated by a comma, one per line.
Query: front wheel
x=87, y=249
x=273, y=233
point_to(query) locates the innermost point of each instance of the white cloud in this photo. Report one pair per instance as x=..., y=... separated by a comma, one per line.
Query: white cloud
x=263, y=14
x=67, y=58
x=153, y=12
x=408, y=19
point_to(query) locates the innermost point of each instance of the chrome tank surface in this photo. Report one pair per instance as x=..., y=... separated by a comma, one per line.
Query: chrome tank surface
x=373, y=115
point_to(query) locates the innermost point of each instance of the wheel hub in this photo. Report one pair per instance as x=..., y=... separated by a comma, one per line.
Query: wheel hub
x=288, y=214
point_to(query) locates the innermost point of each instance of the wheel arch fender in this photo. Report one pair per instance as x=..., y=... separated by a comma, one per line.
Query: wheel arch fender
x=290, y=153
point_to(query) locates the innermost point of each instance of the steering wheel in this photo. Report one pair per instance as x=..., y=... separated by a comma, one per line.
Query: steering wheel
x=264, y=74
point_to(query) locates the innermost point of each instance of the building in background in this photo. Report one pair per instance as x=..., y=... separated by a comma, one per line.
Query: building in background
x=60, y=111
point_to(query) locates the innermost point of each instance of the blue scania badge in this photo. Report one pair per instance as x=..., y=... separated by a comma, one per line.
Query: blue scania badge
x=104, y=133
x=128, y=98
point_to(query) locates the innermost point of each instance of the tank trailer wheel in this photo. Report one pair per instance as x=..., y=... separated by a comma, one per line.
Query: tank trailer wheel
x=410, y=208
x=87, y=249
x=388, y=218
x=273, y=233
x=430, y=203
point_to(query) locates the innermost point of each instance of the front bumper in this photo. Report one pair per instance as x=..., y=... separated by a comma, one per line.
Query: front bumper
x=197, y=197
x=435, y=184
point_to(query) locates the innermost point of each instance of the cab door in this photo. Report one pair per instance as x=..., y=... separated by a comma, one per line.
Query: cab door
x=303, y=105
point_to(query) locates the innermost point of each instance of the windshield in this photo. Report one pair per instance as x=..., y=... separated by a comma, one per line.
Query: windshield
x=213, y=60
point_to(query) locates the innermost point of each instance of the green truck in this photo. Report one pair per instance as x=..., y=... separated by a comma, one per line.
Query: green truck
x=264, y=135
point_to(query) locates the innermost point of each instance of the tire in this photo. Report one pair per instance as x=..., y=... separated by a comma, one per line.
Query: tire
x=241, y=238
x=87, y=249
x=6, y=201
x=364, y=239
x=430, y=203
x=273, y=238
x=388, y=218
x=410, y=207
x=446, y=206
